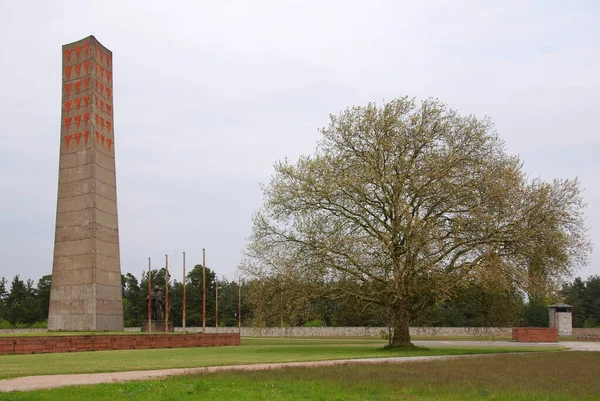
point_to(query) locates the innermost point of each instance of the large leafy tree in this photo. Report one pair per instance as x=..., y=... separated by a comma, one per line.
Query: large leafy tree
x=403, y=203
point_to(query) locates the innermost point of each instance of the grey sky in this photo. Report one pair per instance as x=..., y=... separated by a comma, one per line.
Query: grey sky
x=208, y=94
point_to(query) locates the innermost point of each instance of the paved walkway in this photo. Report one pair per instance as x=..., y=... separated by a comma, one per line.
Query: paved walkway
x=53, y=381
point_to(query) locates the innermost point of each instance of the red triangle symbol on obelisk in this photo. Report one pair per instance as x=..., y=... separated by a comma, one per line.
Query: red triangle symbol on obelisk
x=68, y=54
x=77, y=51
x=108, y=125
x=86, y=47
x=109, y=142
x=78, y=86
x=67, y=105
x=108, y=108
x=77, y=120
x=108, y=91
x=77, y=137
x=68, y=139
x=68, y=72
x=68, y=122
x=102, y=139
x=86, y=134
x=68, y=89
x=86, y=66
x=77, y=102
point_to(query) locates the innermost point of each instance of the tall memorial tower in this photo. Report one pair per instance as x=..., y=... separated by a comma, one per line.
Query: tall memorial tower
x=86, y=273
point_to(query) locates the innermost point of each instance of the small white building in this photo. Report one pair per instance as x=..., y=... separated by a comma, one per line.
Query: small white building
x=561, y=318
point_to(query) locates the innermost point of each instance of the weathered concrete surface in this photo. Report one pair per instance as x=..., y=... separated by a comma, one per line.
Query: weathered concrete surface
x=86, y=272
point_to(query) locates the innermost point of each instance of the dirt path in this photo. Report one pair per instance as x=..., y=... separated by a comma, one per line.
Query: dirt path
x=53, y=381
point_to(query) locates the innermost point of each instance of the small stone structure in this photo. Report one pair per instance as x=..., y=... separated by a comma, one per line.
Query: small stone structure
x=561, y=318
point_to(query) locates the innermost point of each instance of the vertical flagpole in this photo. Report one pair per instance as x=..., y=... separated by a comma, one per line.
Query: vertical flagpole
x=240, y=306
x=216, y=302
x=184, y=292
x=166, y=294
x=203, y=290
x=149, y=297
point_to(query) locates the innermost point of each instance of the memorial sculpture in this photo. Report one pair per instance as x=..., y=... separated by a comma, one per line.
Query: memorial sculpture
x=85, y=292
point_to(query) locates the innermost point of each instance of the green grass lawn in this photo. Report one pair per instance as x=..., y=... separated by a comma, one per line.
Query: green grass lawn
x=251, y=351
x=559, y=376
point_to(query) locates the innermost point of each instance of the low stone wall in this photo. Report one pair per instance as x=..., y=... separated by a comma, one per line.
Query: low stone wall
x=21, y=331
x=587, y=334
x=53, y=344
x=535, y=334
x=354, y=331
x=328, y=331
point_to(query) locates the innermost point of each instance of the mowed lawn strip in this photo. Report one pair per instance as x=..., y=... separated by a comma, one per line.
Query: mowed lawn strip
x=564, y=376
x=251, y=351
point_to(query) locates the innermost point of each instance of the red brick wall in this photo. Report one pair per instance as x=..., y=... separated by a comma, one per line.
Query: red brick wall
x=46, y=344
x=535, y=334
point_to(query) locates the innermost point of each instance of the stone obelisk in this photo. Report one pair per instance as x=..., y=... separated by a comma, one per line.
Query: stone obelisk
x=86, y=273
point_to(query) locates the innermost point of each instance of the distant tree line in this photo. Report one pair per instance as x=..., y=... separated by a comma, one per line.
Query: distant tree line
x=584, y=296
x=278, y=301
x=275, y=301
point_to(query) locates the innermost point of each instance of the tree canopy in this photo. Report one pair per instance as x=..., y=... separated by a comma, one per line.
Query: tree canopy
x=403, y=204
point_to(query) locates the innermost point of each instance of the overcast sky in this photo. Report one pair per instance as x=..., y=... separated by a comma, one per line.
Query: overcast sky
x=209, y=94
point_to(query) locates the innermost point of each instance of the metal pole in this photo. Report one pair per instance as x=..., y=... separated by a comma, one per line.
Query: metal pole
x=184, y=291
x=240, y=307
x=216, y=302
x=203, y=290
x=166, y=294
x=149, y=297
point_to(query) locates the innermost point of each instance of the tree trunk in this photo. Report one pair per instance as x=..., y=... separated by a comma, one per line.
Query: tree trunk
x=401, y=322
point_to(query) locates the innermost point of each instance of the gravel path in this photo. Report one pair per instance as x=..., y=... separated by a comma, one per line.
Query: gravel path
x=53, y=381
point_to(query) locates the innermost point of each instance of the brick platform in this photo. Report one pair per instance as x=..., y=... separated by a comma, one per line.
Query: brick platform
x=53, y=344
x=535, y=334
